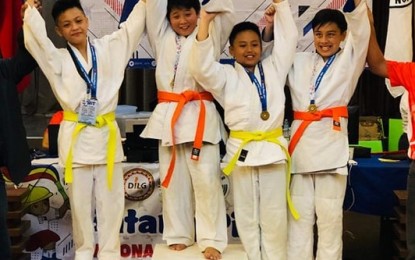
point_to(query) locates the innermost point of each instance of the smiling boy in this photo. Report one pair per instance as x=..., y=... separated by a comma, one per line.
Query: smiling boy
x=85, y=78
x=188, y=126
x=321, y=85
x=252, y=95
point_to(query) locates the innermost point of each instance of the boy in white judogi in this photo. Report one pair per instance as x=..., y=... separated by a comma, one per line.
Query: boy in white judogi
x=252, y=95
x=85, y=78
x=184, y=119
x=321, y=85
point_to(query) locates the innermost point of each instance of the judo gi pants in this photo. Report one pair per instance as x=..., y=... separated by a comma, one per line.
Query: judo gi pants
x=194, y=194
x=410, y=213
x=89, y=193
x=260, y=206
x=321, y=196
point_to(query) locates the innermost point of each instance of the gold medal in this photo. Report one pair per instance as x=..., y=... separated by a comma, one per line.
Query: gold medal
x=264, y=115
x=312, y=108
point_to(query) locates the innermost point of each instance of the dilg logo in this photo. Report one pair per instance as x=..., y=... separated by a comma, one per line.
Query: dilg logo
x=138, y=184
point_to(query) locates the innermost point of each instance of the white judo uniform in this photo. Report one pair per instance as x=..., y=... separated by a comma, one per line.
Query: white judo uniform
x=259, y=182
x=195, y=189
x=90, y=147
x=321, y=155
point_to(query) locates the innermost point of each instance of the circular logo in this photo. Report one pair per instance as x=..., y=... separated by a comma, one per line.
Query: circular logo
x=138, y=184
x=131, y=63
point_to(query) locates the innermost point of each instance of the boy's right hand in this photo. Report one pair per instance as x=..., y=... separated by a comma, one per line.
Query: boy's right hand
x=205, y=19
x=35, y=3
x=269, y=15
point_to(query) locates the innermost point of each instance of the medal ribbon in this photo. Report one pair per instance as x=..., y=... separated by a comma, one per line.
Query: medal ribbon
x=91, y=81
x=262, y=90
x=176, y=62
x=257, y=136
x=320, y=78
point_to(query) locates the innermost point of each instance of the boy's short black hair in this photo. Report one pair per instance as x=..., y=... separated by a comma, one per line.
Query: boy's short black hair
x=185, y=4
x=326, y=16
x=241, y=27
x=61, y=6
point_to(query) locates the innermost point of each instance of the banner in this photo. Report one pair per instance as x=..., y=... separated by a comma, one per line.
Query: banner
x=48, y=211
x=106, y=15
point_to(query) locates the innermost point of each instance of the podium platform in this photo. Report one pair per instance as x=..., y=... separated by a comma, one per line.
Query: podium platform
x=162, y=252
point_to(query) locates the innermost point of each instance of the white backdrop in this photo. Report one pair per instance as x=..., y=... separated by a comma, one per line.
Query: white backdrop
x=105, y=17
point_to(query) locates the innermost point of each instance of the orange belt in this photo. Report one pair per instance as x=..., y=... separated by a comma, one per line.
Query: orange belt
x=182, y=99
x=308, y=117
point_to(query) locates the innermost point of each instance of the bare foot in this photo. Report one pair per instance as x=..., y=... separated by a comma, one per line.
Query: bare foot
x=212, y=254
x=177, y=247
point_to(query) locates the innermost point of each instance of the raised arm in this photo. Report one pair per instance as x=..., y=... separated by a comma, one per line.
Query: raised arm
x=37, y=41
x=285, y=35
x=205, y=19
x=127, y=38
x=203, y=65
x=357, y=39
x=375, y=58
x=222, y=24
x=157, y=22
x=268, y=33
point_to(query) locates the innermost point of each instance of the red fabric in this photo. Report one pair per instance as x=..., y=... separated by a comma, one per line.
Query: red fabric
x=56, y=118
x=403, y=74
x=10, y=24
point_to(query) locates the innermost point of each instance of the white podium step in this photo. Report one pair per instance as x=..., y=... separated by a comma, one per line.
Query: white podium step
x=162, y=252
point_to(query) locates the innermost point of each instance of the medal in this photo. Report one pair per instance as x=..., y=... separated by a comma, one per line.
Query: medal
x=262, y=90
x=312, y=108
x=264, y=115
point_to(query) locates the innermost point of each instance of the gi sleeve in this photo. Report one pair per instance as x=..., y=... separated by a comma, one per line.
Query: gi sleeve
x=285, y=38
x=157, y=22
x=358, y=38
x=209, y=73
x=126, y=39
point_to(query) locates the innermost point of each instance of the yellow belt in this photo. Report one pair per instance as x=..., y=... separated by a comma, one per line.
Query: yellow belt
x=271, y=136
x=107, y=119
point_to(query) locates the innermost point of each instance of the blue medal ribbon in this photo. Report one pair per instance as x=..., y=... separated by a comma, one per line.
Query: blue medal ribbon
x=321, y=75
x=262, y=91
x=91, y=80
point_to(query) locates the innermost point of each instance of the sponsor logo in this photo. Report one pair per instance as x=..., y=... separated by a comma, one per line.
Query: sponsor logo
x=399, y=3
x=138, y=184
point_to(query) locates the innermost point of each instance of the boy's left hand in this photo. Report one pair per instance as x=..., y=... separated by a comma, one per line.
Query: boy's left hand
x=207, y=16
